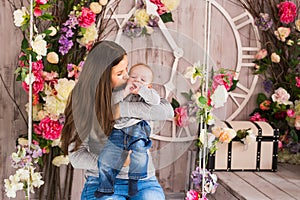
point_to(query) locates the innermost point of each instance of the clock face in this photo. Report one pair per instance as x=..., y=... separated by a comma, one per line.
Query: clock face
x=233, y=42
x=241, y=38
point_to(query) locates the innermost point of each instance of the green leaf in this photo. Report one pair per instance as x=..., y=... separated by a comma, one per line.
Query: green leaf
x=234, y=83
x=46, y=16
x=45, y=6
x=261, y=97
x=202, y=100
x=82, y=30
x=24, y=44
x=294, y=135
x=166, y=17
x=175, y=103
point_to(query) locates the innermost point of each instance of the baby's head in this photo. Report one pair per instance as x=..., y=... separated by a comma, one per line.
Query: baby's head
x=141, y=73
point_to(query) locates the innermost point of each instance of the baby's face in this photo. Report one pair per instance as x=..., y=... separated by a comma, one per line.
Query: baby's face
x=140, y=74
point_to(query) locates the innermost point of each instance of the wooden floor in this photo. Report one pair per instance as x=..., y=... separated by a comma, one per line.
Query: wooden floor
x=281, y=185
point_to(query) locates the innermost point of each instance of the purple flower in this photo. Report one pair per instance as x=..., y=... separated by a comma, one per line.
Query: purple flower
x=268, y=86
x=153, y=21
x=263, y=22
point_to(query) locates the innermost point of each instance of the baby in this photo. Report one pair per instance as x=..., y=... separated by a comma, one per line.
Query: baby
x=128, y=134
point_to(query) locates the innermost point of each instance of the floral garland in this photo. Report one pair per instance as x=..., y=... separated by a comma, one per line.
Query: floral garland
x=58, y=51
x=199, y=106
x=278, y=62
x=142, y=23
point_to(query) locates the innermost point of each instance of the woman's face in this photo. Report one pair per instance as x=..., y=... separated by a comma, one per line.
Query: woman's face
x=119, y=73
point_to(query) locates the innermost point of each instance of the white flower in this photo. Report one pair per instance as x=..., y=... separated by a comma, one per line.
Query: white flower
x=282, y=33
x=90, y=35
x=53, y=31
x=23, y=174
x=64, y=88
x=60, y=160
x=27, y=79
x=96, y=7
x=219, y=97
x=53, y=106
x=103, y=2
x=275, y=58
x=251, y=138
x=210, y=120
x=22, y=141
x=290, y=42
x=55, y=142
x=36, y=179
x=39, y=46
x=193, y=72
x=52, y=57
x=149, y=30
x=210, y=138
x=171, y=4
x=12, y=185
x=19, y=16
x=281, y=96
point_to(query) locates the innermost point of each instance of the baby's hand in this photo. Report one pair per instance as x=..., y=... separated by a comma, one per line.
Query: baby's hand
x=134, y=87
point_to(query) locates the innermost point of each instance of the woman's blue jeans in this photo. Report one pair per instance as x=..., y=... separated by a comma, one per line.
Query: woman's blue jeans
x=149, y=189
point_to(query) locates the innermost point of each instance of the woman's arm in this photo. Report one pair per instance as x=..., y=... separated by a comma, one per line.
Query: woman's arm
x=82, y=158
x=142, y=110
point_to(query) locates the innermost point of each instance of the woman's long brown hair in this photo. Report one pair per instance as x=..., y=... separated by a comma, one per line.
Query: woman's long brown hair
x=89, y=104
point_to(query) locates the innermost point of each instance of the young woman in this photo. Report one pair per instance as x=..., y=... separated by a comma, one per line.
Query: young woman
x=89, y=120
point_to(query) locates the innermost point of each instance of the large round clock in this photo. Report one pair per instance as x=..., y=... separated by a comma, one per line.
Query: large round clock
x=242, y=41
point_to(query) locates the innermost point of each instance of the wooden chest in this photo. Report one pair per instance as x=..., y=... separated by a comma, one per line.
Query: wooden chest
x=257, y=156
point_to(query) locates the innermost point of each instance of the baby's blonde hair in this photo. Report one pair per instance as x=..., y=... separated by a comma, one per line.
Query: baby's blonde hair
x=142, y=64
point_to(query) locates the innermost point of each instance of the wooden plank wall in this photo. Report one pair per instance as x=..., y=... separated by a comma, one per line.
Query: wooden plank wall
x=188, y=26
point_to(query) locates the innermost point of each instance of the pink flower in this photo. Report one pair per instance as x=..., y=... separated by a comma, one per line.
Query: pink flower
x=192, y=195
x=290, y=113
x=297, y=81
x=257, y=117
x=181, y=116
x=37, y=85
x=280, y=145
x=161, y=8
x=41, y=2
x=223, y=79
x=87, y=18
x=37, y=66
x=297, y=122
x=261, y=54
x=48, y=128
x=287, y=12
x=37, y=11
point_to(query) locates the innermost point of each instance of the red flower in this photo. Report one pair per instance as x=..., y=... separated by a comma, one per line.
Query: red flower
x=37, y=85
x=161, y=8
x=287, y=12
x=87, y=18
x=48, y=128
x=41, y=2
x=37, y=11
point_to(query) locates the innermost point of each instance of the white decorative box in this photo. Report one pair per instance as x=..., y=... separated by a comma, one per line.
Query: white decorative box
x=235, y=156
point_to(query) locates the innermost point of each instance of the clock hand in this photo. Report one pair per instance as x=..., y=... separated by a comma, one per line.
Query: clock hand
x=177, y=52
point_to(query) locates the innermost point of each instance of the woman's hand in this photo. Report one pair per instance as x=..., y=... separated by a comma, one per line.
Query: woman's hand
x=127, y=161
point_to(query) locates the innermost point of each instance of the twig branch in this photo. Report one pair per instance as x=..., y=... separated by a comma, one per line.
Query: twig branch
x=13, y=99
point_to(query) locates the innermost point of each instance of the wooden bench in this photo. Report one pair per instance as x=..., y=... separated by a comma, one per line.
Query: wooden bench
x=281, y=185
